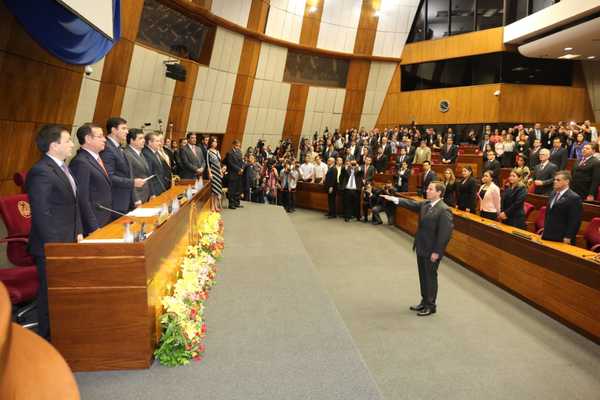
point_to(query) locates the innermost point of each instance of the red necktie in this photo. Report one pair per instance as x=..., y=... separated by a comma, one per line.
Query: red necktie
x=102, y=166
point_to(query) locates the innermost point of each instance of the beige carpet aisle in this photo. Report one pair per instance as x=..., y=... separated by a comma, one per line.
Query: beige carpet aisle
x=482, y=344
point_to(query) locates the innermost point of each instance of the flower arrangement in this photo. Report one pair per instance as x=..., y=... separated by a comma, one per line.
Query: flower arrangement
x=182, y=324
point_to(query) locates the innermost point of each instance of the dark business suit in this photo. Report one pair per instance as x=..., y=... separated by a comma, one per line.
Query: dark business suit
x=428, y=177
x=401, y=158
x=466, y=194
x=158, y=167
x=121, y=179
x=235, y=164
x=513, y=199
x=433, y=234
x=367, y=174
x=546, y=175
x=403, y=187
x=559, y=157
x=534, y=158
x=55, y=218
x=563, y=218
x=94, y=188
x=495, y=167
x=586, y=177
x=380, y=163
x=449, y=153
x=190, y=162
x=139, y=169
x=351, y=197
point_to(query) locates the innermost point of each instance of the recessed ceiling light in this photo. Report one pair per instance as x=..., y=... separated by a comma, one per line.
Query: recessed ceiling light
x=312, y=9
x=591, y=57
x=570, y=56
x=568, y=48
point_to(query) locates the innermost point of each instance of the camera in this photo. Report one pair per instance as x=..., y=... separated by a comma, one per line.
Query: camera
x=88, y=70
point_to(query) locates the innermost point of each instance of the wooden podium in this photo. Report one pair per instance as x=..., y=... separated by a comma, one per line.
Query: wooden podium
x=104, y=298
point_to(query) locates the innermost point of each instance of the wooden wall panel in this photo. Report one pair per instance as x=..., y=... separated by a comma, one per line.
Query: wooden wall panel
x=311, y=23
x=294, y=117
x=367, y=28
x=181, y=104
x=356, y=86
x=257, y=18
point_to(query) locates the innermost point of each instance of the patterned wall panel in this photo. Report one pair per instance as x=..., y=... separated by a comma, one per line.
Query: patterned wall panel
x=339, y=23
x=380, y=76
x=215, y=84
x=395, y=20
x=323, y=109
x=149, y=92
x=285, y=19
x=235, y=11
x=268, y=104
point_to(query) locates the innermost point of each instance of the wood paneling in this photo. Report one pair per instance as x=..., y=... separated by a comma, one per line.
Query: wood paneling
x=356, y=86
x=181, y=105
x=367, y=28
x=242, y=93
x=206, y=4
x=294, y=117
x=311, y=23
x=257, y=18
x=467, y=44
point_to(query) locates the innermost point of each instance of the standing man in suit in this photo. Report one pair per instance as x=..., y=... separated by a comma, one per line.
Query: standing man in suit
x=492, y=164
x=586, y=175
x=139, y=166
x=119, y=171
x=352, y=187
x=92, y=178
x=331, y=184
x=558, y=154
x=428, y=177
x=538, y=134
x=235, y=166
x=563, y=213
x=192, y=159
x=431, y=239
x=367, y=171
x=543, y=174
x=449, y=152
x=55, y=216
x=204, y=148
x=157, y=166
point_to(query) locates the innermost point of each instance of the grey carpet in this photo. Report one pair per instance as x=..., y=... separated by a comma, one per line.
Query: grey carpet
x=482, y=344
x=273, y=332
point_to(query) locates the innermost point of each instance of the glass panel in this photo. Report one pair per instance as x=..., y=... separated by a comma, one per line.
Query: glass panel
x=437, y=19
x=463, y=13
x=489, y=14
x=456, y=72
x=537, y=71
x=418, y=29
x=315, y=70
x=537, y=5
x=485, y=69
x=516, y=9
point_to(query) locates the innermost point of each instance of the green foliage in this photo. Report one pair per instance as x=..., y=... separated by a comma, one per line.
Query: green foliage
x=171, y=350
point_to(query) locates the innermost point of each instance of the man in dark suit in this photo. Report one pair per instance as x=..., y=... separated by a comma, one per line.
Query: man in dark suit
x=543, y=174
x=156, y=165
x=332, y=183
x=367, y=171
x=534, y=154
x=119, y=171
x=139, y=166
x=449, y=152
x=204, y=148
x=586, y=175
x=235, y=167
x=558, y=154
x=192, y=159
x=431, y=239
x=55, y=216
x=386, y=147
x=563, y=212
x=92, y=178
x=428, y=177
x=537, y=133
x=492, y=164
x=352, y=184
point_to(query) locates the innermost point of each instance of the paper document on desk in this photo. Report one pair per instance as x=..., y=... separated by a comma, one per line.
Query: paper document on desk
x=103, y=241
x=393, y=199
x=144, y=212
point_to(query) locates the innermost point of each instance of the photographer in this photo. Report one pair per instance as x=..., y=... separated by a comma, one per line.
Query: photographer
x=384, y=205
x=352, y=188
x=288, y=180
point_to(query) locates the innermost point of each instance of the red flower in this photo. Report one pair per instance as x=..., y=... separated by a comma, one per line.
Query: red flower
x=201, y=348
x=198, y=358
x=203, y=328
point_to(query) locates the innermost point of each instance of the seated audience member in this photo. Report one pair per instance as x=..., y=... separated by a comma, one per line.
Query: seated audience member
x=428, y=177
x=380, y=161
x=369, y=200
x=352, y=186
x=563, y=212
x=93, y=182
x=422, y=154
x=521, y=167
x=586, y=174
x=157, y=166
x=449, y=152
x=513, y=199
x=543, y=174
x=367, y=171
x=320, y=169
x=449, y=181
x=139, y=166
x=287, y=181
x=192, y=159
x=492, y=164
x=401, y=177
x=307, y=170
x=382, y=204
x=558, y=154
x=466, y=191
x=489, y=197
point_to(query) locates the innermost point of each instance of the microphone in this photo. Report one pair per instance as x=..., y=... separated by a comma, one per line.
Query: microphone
x=100, y=206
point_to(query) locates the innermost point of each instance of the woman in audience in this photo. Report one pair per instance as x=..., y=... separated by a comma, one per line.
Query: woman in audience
x=401, y=178
x=465, y=191
x=522, y=146
x=513, y=199
x=214, y=173
x=521, y=166
x=508, y=145
x=450, y=182
x=577, y=148
x=489, y=197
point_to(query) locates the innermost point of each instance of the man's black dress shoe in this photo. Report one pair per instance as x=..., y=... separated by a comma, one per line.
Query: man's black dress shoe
x=377, y=222
x=239, y=206
x=331, y=216
x=426, y=311
x=231, y=207
x=418, y=307
x=346, y=219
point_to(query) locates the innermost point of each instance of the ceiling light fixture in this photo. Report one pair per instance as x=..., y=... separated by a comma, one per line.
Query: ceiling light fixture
x=312, y=9
x=591, y=57
x=570, y=56
x=568, y=48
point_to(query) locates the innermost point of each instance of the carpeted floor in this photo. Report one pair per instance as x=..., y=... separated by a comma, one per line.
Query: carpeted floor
x=482, y=344
x=273, y=332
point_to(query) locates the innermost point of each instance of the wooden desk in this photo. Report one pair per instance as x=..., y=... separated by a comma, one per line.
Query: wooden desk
x=104, y=298
x=557, y=278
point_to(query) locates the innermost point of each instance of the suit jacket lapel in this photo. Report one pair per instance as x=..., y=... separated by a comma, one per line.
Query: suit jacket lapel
x=95, y=164
x=61, y=175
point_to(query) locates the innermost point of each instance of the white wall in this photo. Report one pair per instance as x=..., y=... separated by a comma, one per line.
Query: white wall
x=236, y=11
x=395, y=20
x=148, y=93
x=285, y=19
x=211, y=101
x=592, y=76
x=324, y=108
x=380, y=76
x=268, y=104
x=339, y=23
